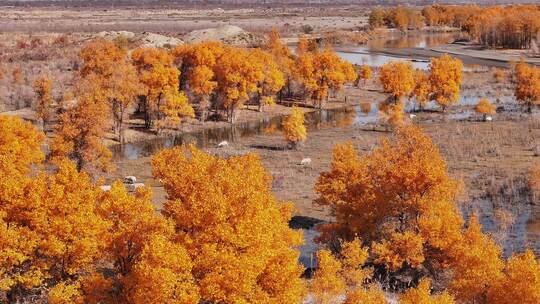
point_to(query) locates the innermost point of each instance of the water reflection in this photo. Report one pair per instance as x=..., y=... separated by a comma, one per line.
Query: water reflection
x=362, y=114
x=412, y=40
x=340, y=117
x=377, y=60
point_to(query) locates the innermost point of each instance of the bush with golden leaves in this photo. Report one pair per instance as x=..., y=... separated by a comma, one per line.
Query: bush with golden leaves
x=485, y=108
x=293, y=127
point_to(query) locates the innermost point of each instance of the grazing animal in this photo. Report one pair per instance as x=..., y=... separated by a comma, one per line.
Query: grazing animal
x=489, y=118
x=223, y=144
x=305, y=161
x=412, y=116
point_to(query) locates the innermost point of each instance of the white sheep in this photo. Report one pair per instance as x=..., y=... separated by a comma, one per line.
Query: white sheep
x=412, y=116
x=489, y=118
x=223, y=144
x=305, y=161
x=130, y=179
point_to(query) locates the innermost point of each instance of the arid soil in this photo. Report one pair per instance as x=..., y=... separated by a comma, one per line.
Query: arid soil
x=179, y=20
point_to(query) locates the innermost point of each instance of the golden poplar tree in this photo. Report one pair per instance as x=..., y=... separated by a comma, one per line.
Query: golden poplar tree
x=527, y=89
x=53, y=218
x=232, y=226
x=237, y=78
x=44, y=102
x=272, y=80
x=445, y=79
x=321, y=73
x=421, y=90
x=294, y=129
x=79, y=132
x=283, y=58
x=399, y=199
x=164, y=103
x=110, y=70
x=125, y=88
x=397, y=79
x=20, y=149
x=197, y=63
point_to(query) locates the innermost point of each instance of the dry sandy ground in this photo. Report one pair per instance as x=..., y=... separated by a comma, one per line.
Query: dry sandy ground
x=178, y=21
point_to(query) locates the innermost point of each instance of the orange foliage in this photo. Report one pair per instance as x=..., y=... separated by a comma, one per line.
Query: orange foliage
x=197, y=64
x=485, y=108
x=61, y=231
x=108, y=68
x=43, y=90
x=272, y=80
x=237, y=78
x=282, y=56
x=397, y=79
x=449, y=15
x=401, y=250
x=527, y=89
x=327, y=284
x=345, y=274
x=322, y=72
x=147, y=263
x=399, y=197
x=422, y=295
x=78, y=134
x=371, y=295
x=511, y=27
x=402, y=18
x=477, y=264
x=520, y=281
x=163, y=100
x=232, y=226
x=124, y=88
x=293, y=127
x=445, y=79
x=100, y=57
x=421, y=88
x=364, y=73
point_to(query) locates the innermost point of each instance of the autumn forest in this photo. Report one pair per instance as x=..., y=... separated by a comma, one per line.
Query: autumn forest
x=394, y=191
